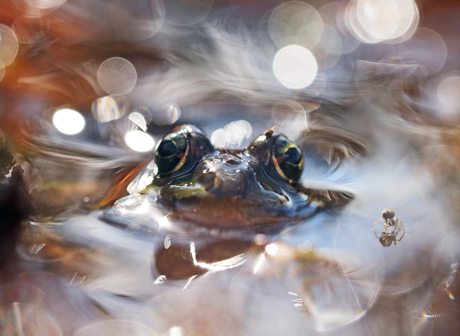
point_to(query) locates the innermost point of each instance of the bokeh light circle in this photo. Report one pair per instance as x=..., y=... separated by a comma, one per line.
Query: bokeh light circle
x=448, y=95
x=426, y=49
x=295, y=67
x=167, y=115
x=68, y=121
x=233, y=135
x=9, y=45
x=373, y=21
x=109, y=108
x=139, y=141
x=117, y=75
x=295, y=22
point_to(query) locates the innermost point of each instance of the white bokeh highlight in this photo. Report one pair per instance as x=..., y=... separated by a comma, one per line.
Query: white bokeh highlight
x=295, y=67
x=68, y=121
x=139, y=141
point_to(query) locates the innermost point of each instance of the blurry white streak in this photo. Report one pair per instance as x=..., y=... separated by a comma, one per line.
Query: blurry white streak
x=45, y=4
x=68, y=121
x=30, y=29
x=139, y=141
x=259, y=263
x=219, y=265
x=77, y=283
x=36, y=248
x=117, y=75
x=9, y=45
x=189, y=282
x=17, y=319
x=295, y=67
x=230, y=68
x=139, y=120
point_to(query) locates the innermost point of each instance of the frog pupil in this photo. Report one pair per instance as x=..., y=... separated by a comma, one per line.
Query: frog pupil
x=167, y=148
x=293, y=156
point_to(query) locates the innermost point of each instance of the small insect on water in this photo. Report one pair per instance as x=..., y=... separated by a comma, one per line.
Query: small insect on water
x=390, y=221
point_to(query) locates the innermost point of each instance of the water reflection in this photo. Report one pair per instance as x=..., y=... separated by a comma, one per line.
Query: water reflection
x=141, y=266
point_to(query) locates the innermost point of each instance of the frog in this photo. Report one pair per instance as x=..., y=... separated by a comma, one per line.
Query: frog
x=254, y=188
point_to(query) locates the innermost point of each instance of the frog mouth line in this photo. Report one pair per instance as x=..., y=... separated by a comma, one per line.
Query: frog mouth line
x=204, y=212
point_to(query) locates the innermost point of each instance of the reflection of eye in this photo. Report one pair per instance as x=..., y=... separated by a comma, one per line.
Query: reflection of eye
x=181, y=150
x=288, y=159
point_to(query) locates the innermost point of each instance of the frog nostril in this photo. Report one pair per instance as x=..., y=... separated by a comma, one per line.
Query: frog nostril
x=232, y=162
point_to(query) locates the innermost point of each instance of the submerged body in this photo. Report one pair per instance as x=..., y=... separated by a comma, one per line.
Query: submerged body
x=255, y=187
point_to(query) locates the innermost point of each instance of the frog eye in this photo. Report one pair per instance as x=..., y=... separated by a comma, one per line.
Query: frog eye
x=180, y=150
x=287, y=159
x=171, y=153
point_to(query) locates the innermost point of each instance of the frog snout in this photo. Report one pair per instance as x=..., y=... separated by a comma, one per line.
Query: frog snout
x=225, y=176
